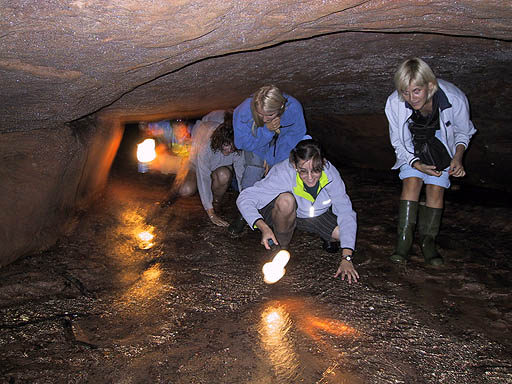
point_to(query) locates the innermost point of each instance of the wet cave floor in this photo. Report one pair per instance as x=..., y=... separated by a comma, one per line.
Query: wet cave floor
x=190, y=305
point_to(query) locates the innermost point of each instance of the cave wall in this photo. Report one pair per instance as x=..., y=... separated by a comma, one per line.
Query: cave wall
x=48, y=176
x=72, y=73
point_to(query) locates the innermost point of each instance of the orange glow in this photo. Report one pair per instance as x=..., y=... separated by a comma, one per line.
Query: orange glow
x=146, y=236
x=334, y=327
x=273, y=271
x=146, y=151
x=274, y=334
x=147, y=287
x=282, y=320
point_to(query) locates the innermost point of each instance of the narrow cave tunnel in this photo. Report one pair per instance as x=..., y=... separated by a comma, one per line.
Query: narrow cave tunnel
x=102, y=280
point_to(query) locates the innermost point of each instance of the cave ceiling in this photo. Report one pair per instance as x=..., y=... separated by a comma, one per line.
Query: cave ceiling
x=63, y=60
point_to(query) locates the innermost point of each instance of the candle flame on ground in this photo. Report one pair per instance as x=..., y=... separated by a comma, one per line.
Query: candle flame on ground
x=146, y=151
x=274, y=270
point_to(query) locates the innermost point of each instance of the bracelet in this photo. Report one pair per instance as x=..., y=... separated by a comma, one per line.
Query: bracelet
x=347, y=257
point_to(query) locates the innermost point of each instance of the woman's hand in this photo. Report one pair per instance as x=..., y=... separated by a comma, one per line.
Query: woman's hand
x=428, y=169
x=274, y=124
x=216, y=219
x=346, y=269
x=456, y=168
x=266, y=233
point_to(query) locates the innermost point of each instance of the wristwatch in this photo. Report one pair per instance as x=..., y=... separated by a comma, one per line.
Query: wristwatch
x=347, y=257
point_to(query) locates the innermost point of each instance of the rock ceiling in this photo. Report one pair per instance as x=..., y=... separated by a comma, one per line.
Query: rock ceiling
x=62, y=60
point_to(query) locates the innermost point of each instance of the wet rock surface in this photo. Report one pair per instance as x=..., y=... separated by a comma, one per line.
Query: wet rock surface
x=190, y=305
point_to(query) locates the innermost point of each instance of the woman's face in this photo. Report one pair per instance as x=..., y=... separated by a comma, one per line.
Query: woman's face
x=227, y=148
x=416, y=96
x=266, y=116
x=306, y=173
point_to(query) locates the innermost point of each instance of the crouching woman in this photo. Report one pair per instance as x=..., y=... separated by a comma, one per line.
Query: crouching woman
x=305, y=192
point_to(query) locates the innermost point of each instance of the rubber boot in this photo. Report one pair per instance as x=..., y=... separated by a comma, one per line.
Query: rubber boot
x=237, y=226
x=428, y=228
x=407, y=214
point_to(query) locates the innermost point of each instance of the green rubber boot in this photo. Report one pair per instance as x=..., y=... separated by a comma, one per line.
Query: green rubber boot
x=428, y=228
x=407, y=213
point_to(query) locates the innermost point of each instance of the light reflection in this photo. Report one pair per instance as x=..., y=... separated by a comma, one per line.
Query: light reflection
x=147, y=287
x=282, y=318
x=274, y=333
x=146, y=238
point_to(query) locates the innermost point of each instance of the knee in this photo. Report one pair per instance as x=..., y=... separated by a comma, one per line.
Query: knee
x=187, y=190
x=286, y=204
x=222, y=175
x=435, y=194
x=411, y=187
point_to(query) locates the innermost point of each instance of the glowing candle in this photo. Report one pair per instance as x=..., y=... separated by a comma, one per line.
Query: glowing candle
x=146, y=151
x=274, y=270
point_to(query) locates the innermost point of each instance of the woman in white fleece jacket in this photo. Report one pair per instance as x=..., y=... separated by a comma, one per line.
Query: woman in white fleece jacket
x=305, y=191
x=425, y=112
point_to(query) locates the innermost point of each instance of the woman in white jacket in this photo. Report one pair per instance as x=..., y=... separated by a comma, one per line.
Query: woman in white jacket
x=429, y=128
x=307, y=192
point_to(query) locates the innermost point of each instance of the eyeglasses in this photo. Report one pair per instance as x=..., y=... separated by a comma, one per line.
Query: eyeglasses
x=305, y=172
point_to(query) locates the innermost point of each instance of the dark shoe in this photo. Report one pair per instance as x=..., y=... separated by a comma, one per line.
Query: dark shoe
x=428, y=227
x=330, y=246
x=237, y=226
x=169, y=200
x=407, y=214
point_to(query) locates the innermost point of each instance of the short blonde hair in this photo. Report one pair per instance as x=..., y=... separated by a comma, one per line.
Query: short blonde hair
x=417, y=71
x=268, y=99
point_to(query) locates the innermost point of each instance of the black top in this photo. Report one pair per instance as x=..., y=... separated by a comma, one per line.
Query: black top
x=313, y=191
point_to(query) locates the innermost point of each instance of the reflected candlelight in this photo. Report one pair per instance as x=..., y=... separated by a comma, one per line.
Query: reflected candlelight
x=145, y=238
x=274, y=334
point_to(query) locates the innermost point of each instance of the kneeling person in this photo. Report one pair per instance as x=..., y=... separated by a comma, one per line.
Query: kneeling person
x=305, y=191
x=213, y=160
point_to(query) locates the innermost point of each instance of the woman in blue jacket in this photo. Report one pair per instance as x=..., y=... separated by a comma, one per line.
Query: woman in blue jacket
x=268, y=125
x=429, y=128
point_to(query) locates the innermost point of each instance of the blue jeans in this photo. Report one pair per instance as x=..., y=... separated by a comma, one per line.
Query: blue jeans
x=254, y=169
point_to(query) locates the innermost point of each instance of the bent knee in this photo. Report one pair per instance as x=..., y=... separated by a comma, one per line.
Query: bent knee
x=187, y=190
x=285, y=203
x=223, y=175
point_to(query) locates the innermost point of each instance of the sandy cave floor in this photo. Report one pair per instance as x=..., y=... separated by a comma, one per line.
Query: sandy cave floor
x=103, y=306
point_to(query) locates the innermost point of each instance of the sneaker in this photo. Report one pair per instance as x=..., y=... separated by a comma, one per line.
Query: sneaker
x=330, y=246
x=237, y=226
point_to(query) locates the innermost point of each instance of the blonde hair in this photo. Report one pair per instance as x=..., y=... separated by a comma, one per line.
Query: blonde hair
x=268, y=99
x=417, y=71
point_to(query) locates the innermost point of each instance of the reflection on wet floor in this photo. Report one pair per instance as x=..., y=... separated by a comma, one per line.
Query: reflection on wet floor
x=275, y=335
x=146, y=238
x=286, y=329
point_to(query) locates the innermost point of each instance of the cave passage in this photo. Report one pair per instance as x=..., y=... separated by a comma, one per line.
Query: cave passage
x=145, y=293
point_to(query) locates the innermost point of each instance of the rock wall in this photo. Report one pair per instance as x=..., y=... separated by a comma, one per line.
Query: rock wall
x=47, y=177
